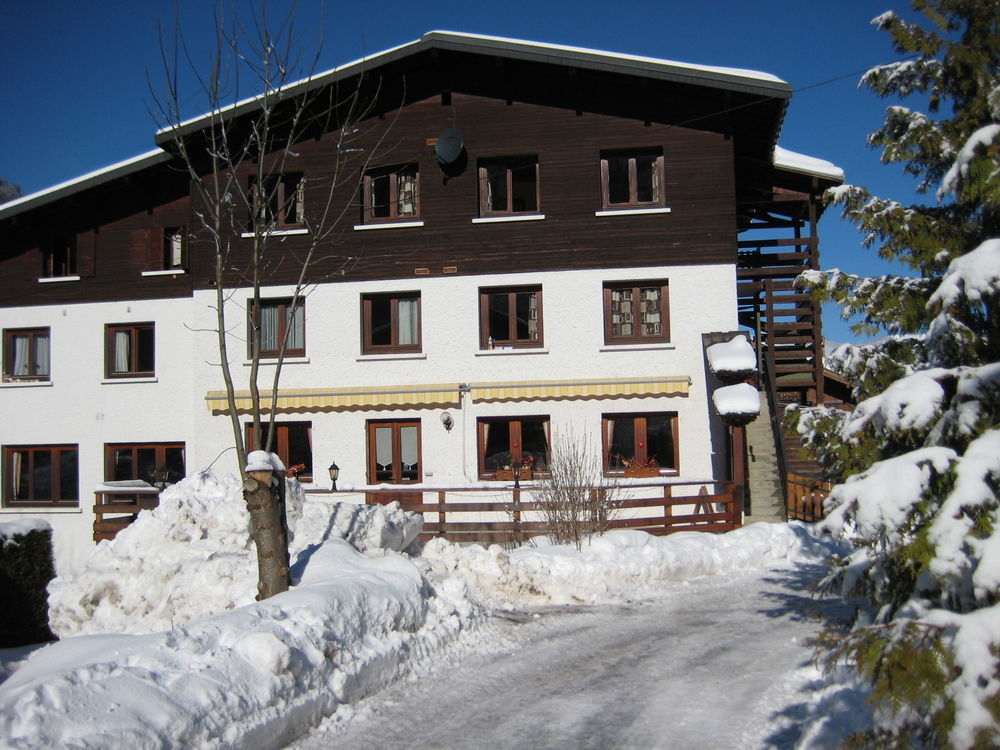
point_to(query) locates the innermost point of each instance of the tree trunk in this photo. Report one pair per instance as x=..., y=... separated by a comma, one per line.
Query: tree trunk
x=267, y=524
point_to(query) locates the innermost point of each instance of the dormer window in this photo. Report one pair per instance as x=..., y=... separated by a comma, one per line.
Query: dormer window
x=508, y=186
x=391, y=193
x=632, y=179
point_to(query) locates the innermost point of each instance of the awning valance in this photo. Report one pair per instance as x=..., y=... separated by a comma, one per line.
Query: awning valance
x=673, y=385
x=301, y=400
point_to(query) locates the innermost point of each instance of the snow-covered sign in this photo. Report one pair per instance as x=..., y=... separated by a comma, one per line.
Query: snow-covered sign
x=732, y=357
x=739, y=400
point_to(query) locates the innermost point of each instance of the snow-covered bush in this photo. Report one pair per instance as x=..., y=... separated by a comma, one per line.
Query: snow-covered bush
x=919, y=457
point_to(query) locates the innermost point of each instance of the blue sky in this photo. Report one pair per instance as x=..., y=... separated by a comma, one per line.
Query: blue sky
x=75, y=94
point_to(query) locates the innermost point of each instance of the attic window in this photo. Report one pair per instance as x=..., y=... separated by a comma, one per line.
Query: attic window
x=278, y=201
x=508, y=186
x=632, y=179
x=391, y=193
x=59, y=258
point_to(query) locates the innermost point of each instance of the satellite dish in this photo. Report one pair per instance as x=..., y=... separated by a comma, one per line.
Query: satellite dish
x=449, y=146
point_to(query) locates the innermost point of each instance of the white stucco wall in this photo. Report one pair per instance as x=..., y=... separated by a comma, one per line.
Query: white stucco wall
x=80, y=406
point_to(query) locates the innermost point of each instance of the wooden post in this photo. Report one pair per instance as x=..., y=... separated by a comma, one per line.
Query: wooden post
x=440, y=512
x=667, y=507
x=738, y=474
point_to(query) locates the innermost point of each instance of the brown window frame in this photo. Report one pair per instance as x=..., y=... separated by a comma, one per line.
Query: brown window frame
x=282, y=304
x=507, y=164
x=371, y=426
x=133, y=330
x=9, y=334
x=282, y=444
x=282, y=205
x=60, y=258
x=511, y=339
x=641, y=451
x=635, y=287
x=392, y=172
x=166, y=259
x=515, y=443
x=160, y=459
x=633, y=201
x=55, y=478
x=367, y=301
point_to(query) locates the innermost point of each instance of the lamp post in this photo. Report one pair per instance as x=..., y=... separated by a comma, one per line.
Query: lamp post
x=334, y=475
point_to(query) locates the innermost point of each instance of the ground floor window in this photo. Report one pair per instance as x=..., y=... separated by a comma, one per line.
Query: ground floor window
x=157, y=463
x=507, y=440
x=394, y=451
x=641, y=440
x=41, y=475
x=292, y=443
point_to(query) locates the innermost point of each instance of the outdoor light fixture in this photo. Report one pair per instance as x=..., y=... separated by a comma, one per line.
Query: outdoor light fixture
x=447, y=421
x=334, y=474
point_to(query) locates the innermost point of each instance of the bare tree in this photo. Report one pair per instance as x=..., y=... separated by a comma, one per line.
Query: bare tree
x=240, y=157
x=575, y=499
x=8, y=191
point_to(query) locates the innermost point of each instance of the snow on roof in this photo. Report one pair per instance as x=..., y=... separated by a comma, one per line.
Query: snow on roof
x=793, y=162
x=104, y=174
x=736, y=355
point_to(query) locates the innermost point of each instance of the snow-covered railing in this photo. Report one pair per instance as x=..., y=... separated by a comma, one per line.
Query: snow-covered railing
x=496, y=514
x=116, y=505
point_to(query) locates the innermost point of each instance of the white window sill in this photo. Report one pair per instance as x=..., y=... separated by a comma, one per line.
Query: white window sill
x=501, y=352
x=168, y=272
x=632, y=211
x=276, y=233
x=385, y=357
x=57, y=279
x=504, y=219
x=389, y=225
x=665, y=346
x=125, y=379
x=26, y=384
x=274, y=361
x=37, y=510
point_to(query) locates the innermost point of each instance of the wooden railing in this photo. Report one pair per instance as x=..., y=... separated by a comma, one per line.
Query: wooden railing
x=506, y=514
x=805, y=497
x=114, y=509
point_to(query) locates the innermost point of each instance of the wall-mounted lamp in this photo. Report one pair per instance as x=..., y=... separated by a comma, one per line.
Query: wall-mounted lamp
x=447, y=421
x=334, y=474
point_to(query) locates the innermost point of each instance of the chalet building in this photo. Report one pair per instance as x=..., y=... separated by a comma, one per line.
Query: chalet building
x=537, y=241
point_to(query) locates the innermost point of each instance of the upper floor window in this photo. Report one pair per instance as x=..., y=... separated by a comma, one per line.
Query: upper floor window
x=156, y=463
x=506, y=440
x=632, y=179
x=278, y=323
x=391, y=322
x=636, y=312
x=510, y=316
x=508, y=186
x=59, y=258
x=174, y=248
x=640, y=440
x=391, y=193
x=278, y=201
x=292, y=442
x=41, y=475
x=130, y=350
x=26, y=354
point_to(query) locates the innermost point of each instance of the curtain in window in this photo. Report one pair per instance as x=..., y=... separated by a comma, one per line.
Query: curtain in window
x=21, y=355
x=16, y=459
x=650, y=309
x=296, y=329
x=655, y=182
x=42, y=354
x=621, y=312
x=533, y=316
x=406, y=186
x=269, y=327
x=408, y=451
x=408, y=321
x=122, y=351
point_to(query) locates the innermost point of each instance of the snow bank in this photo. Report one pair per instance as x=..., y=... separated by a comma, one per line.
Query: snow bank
x=619, y=565
x=255, y=677
x=193, y=557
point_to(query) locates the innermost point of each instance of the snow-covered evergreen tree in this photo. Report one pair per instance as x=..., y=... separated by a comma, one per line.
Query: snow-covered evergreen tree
x=919, y=457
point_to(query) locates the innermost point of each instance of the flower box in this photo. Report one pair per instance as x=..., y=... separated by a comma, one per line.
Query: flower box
x=508, y=475
x=642, y=472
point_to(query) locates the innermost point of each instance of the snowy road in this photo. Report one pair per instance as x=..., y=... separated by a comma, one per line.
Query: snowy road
x=708, y=665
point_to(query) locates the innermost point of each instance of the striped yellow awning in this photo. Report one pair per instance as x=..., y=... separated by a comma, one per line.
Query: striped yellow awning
x=301, y=400
x=673, y=385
